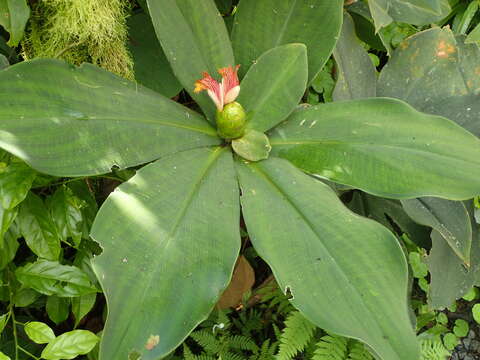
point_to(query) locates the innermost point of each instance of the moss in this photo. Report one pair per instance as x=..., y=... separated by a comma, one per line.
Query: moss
x=80, y=31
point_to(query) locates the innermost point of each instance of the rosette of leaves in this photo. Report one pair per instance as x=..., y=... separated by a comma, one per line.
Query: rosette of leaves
x=171, y=234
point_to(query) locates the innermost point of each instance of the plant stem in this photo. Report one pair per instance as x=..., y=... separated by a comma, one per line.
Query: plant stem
x=12, y=315
x=28, y=353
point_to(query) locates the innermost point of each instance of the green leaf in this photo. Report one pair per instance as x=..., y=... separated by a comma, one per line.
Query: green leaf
x=66, y=211
x=25, y=297
x=15, y=182
x=449, y=218
x=58, y=308
x=70, y=344
x=474, y=36
x=357, y=76
x=3, y=62
x=38, y=228
x=9, y=249
x=461, y=328
x=14, y=15
x=382, y=146
x=262, y=25
x=317, y=251
x=52, y=278
x=416, y=12
x=450, y=341
x=6, y=220
x=194, y=38
x=253, y=146
x=3, y=321
x=4, y=357
x=476, y=313
x=461, y=26
x=438, y=74
x=82, y=305
x=94, y=119
x=163, y=243
x=274, y=85
x=39, y=332
x=151, y=67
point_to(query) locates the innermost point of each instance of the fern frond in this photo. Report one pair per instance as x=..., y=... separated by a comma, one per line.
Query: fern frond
x=231, y=356
x=331, y=347
x=239, y=342
x=358, y=351
x=207, y=341
x=433, y=349
x=295, y=336
x=187, y=353
x=266, y=351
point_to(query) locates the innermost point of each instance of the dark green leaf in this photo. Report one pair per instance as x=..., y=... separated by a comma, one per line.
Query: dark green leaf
x=449, y=218
x=253, y=146
x=82, y=305
x=39, y=332
x=356, y=74
x=15, y=181
x=52, y=278
x=9, y=249
x=82, y=190
x=274, y=85
x=262, y=25
x=382, y=146
x=14, y=15
x=6, y=219
x=38, y=228
x=58, y=308
x=194, y=38
x=70, y=344
x=151, y=67
x=303, y=231
x=3, y=62
x=94, y=119
x=171, y=236
x=25, y=297
x=3, y=321
x=436, y=74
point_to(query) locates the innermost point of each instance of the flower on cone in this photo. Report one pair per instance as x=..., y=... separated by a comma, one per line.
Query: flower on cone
x=224, y=92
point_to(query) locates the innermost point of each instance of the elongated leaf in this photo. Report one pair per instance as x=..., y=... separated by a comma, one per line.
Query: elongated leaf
x=262, y=25
x=15, y=182
x=58, y=308
x=194, y=38
x=72, y=121
x=52, y=278
x=449, y=218
x=319, y=253
x=450, y=278
x=3, y=62
x=9, y=249
x=3, y=321
x=82, y=305
x=356, y=74
x=70, y=344
x=438, y=74
x=38, y=228
x=170, y=235
x=39, y=332
x=474, y=36
x=6, y=219
x=14, y=15
x=274, y=85
x=151, y=67
x=416, y=12
x=382, y=146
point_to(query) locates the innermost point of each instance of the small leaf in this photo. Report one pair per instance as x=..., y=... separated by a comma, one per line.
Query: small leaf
x=461, y=328
x=58, y=308
x=6, y=219
x=473, y=294
x=25, y=297
x=3, y=321
x=82, y=305
x=52, y=278
x=14, y=15
x=3, y=356
x=70, y=344
x=39, y=332
x=9, y=249
x=15, y=182
x=476, y=313
x=450, y=341
x=38, y=228
x=253, y=146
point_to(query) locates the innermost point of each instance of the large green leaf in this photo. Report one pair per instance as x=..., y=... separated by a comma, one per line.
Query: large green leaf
x=449, y=218
x=274, y=85
x=436, y=73
x=356, y=74
x=14, y=15
x=417, y=12
x=263, y=25
x=151, y=67
x=328, y=257
x=382, y=146
x=71, y=121
x=194, y=38
x=70, y=344
x=170, y=235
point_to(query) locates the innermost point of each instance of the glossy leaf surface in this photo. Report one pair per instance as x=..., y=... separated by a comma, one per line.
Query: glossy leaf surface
x=436, y=73
x=262, y=25
x=253, y=146
x=449, y=218
x=39, y=332
x=315, y=266
x=194, y=38
x=170, y=235
x=274, y=86
x=382, y=146
x=70, y=344
x=71, y=121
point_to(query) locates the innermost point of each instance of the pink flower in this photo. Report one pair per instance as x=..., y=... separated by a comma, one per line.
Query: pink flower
x=221, y=93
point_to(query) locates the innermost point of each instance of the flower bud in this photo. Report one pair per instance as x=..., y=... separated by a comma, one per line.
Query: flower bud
x=231, y=121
